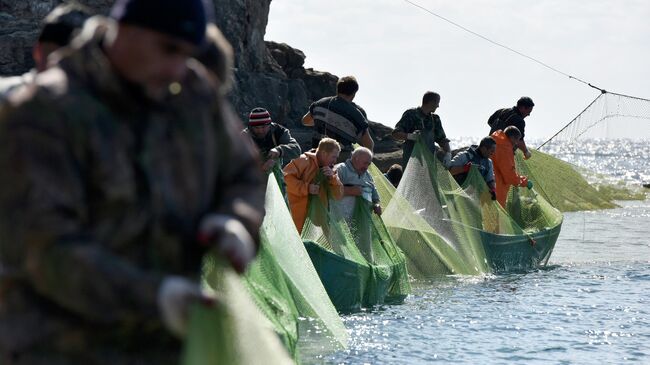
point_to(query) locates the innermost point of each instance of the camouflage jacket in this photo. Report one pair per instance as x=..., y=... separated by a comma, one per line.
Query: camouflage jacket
x=430, y=127
x=101, y=193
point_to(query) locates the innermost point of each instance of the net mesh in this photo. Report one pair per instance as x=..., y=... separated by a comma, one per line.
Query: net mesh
x=355, y=256
x=287, y=302
x=227, y=332
x=609, y=116
x=593, y=177
x=561, y=184
x=444, y=228
x=319, y=324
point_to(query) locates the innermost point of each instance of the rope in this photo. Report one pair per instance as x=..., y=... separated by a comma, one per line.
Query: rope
x=571, y=122
x=502, y=45
x=602, y=91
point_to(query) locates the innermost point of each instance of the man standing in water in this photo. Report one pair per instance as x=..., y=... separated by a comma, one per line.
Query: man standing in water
x=421, y=122
x=514, y=116
x=117, y=177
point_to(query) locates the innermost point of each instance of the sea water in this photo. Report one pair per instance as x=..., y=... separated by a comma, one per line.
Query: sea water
x=590, y=305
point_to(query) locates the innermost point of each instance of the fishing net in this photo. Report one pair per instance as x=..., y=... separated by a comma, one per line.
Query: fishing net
x=356, y=258
x=288, y=301
x=232, y=331
x=561, y=184
x=444, y=228
x=610, y=116
x=319, y=324
x=276, y=171
x=596, y=146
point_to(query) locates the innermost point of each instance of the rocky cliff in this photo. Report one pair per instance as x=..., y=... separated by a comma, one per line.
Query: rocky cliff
x=267, y=74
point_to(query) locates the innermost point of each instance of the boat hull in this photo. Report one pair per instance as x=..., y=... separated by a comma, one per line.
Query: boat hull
x=512, y=253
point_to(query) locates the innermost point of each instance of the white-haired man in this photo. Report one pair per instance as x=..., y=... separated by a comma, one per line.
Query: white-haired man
x=357, y=182
x=356, y=179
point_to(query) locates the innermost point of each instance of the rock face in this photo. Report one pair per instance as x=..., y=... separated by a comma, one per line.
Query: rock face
x=268, y=74
x=20, y=22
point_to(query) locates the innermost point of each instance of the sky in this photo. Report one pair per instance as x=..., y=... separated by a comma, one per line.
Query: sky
x=398, y=51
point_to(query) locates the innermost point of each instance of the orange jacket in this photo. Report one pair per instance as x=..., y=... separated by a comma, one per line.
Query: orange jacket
x=298, y=174
x=505, y=173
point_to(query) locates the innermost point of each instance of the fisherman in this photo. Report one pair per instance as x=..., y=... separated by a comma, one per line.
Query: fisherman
x=357, y=181
x=273, y=140
x=479, y=157
x=118, y=175
x=338, y=117
x=59, y=27
x=394, y=174
x=421, y=122
x=515, y=116
x=303, y=179
x=505, y=174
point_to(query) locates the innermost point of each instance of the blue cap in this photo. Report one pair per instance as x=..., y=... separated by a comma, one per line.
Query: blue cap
x=184, y=19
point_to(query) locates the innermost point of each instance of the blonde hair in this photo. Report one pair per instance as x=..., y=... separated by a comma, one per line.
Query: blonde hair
x=328, y=145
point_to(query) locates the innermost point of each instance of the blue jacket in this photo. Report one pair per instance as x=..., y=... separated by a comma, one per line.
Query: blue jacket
x=473, y=155
x=349, y=176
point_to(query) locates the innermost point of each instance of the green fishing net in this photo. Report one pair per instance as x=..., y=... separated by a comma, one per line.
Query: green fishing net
x=319, y=325
x=233, y=331
x=355, y=256
x=611, y=120
x=566, y=188
x=560, y=184
x=279, y=298
x=444, y=228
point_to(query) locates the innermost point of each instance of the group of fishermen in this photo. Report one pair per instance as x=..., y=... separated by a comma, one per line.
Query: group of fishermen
x=339, y=123
x=123, y=165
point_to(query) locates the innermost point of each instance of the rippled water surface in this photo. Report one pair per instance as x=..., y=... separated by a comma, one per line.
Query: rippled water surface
x=590, y=306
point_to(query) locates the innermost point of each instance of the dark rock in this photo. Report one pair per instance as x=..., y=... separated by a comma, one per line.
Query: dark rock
x=20, y=23
x=268, y=74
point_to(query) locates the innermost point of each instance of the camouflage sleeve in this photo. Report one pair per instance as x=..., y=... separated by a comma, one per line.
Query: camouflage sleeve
x=439, y=134
x=43, y=224
x=405, y=124
x=240, y=183
x=288, y=146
